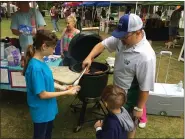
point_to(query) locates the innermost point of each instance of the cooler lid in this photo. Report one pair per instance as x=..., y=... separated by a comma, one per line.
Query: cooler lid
x=82, y=44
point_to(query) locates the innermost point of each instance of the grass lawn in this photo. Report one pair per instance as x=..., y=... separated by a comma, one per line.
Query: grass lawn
x=16, y=121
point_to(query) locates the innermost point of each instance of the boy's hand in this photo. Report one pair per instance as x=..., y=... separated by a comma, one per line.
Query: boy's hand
x=33, y=31
x=99, y=123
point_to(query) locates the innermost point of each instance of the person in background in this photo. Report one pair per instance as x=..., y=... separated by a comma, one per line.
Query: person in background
x=62, y=13
x=78, y=18
x=69, y=32
x=174, y=23
x=67, y=12
x=73, y=12
x=128, y=10
x=24, y=16
x=135, y=63
x=118, y=121
x=88, y=17
x=41, y=95
x=155, y=16
x=103, y=13
x=54, y=18
x=159, y=12
x=31, y=4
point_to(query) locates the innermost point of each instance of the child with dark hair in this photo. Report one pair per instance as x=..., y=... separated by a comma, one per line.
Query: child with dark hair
x=118, y=122
x=41, y=95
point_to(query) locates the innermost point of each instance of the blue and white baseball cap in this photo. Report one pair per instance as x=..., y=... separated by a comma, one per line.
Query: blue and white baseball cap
x=127, y=23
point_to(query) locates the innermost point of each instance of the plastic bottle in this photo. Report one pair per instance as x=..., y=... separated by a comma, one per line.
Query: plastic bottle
x=180, y=86
x=22, y=59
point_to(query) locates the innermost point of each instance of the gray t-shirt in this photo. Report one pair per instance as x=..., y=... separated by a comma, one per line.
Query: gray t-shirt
x=139, y=61
x=20, y=18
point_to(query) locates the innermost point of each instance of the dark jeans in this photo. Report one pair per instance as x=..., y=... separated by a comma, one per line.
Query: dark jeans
x=55, y=26
x=43, y=130
x=173, y=31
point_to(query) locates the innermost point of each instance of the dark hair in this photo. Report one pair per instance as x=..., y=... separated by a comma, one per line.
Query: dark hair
x=42, y=37
x=114, y=96
x=181, y=8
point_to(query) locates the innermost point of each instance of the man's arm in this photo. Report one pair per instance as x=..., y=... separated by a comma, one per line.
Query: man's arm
x=40, y=20
x=14, y=25
x=146, y=78
x=16, y=32
x=143, y=97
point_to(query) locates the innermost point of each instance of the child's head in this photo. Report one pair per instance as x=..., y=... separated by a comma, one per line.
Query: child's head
x=44, y=44
x=114, y=97
x=44, y=40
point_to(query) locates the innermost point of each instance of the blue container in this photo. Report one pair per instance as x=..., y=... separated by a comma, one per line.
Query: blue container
x=57, y=48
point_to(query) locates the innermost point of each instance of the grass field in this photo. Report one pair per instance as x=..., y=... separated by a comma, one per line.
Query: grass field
x=16, y=121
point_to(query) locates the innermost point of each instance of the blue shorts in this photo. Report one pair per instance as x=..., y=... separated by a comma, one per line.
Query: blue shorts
x=173, y=31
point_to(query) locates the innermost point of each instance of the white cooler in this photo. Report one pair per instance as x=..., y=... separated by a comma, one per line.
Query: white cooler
x=166, y=100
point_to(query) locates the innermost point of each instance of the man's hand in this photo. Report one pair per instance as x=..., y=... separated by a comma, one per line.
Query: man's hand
x=99, y=123
x=87, y=63
x=16, y=32
x=33, y=31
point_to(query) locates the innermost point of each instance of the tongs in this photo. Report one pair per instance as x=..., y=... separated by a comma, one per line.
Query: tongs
x=78, y=80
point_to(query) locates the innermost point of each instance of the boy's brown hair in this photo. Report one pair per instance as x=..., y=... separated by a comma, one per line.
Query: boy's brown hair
x=114, y=96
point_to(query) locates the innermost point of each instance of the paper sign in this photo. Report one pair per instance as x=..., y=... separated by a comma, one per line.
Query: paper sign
x=17, y=79
x=4, y=76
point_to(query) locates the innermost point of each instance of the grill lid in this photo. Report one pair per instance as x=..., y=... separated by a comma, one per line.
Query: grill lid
x=82, y=44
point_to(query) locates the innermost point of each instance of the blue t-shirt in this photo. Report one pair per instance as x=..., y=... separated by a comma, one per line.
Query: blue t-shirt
x=20, y=18
x=39, y=78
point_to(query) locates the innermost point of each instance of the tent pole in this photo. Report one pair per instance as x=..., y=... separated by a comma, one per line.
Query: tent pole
x=8, y=9
x=109, y=10
x=82, y=17
x=118, y=12
x=149, y=9
x=136, y=7
x=34, y=6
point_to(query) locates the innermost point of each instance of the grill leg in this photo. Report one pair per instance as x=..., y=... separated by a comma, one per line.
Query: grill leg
x=82, y=117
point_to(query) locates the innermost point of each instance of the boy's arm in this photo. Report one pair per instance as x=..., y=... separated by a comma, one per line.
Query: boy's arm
x=105, y=134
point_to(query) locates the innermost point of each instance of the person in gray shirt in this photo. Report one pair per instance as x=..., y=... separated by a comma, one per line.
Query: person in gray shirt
x=135, y=63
